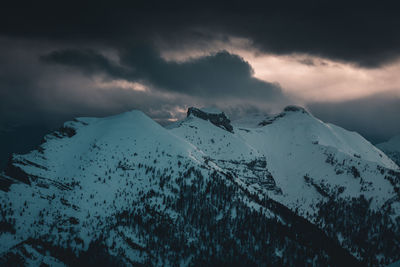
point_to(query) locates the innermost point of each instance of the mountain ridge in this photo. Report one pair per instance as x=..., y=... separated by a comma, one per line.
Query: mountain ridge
x=136, y=183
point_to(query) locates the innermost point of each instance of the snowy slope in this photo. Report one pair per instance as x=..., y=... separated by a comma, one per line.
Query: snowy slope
x=297, y=145
x=392, y=148
x=302, y=163
x=317, y=164
x=124, y=190
x=86, y=178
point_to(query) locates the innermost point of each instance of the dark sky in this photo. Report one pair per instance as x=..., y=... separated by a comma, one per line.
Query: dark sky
x=63, y=59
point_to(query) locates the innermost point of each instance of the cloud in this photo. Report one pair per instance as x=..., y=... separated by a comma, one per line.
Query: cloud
x=324, y=80
x=86, y=59
x=364, y=33
x=218, y=75
x=375, y=117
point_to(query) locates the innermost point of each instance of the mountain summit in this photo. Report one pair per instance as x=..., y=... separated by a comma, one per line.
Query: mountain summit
x=216, y=117
x=122, y=190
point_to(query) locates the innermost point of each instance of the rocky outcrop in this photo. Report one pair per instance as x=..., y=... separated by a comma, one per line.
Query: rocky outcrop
x=295, y=109
x=16, y=172
x=287, y=109
x=219, y=119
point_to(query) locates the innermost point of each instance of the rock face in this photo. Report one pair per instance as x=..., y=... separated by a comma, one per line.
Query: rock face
x=124, y=191
x=295, y=109
x=219, y=119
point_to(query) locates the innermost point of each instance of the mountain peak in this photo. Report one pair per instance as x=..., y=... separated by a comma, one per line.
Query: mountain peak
x=291, y=109
x=294, y=108
x=215, y=116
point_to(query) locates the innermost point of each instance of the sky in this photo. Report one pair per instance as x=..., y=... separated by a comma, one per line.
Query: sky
x=65, y=59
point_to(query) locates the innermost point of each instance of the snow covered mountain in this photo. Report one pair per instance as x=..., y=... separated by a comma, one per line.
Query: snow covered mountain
x=392, y=148
x=277, y=190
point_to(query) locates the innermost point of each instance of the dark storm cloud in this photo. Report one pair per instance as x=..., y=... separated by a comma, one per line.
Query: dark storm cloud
x=375, y=117
x=31, y=91
x=217, y=75
x=359, y=32
x=88, y=60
